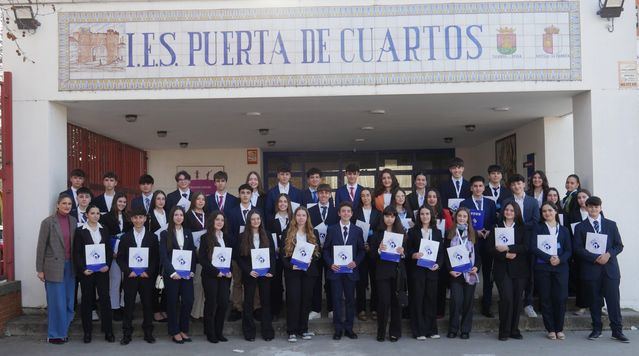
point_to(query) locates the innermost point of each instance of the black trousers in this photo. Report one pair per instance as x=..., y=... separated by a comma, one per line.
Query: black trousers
x=343, y=289
x=277, y=289
x=96, y=281
x=553, y=293
x=248, y=323
x=132, y=287
x=442, y=286
x=216, y=303
x=299, y=293
x=179, y=302
x=510, y=304
x=388, y=308
x=577, y=285
x=461, y=307
x=317, y=290
x=487, y=274
x=607, y=288
x=366, y=274
x=423, y=305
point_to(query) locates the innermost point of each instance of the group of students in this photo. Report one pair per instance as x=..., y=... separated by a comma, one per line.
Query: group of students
x=173, y=250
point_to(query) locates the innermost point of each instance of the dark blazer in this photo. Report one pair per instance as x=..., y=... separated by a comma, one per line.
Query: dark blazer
x=173, y=198
x=100, y=202
x=204, y=254
x=334, y=237
x=564, y=249
x=138, y=202
x=271, y=198
x=313, y=268
x=413, y=200
x=50, y=252
x=112, y=224
x=273, y=226
x=230, y=201
x=448, y=191
x=166, y=254
x=235, y=219
x=488, y=207
x=342, y=194
x=412, y=246
x=152, y=223
x=74, y=207
x=504, y=193
x=82, y=237
x=307, y=197
x=589, y=269
x=316, y=215
x=245, y=263
x=128, y=240
x=517, y=267
x=260, y=203
x=374, y=219
x=531, y=211
x=191, y=223
x=460, y=278
x=384, y=269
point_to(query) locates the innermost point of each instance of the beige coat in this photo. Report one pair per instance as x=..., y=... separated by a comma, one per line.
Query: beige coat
x=50, y=253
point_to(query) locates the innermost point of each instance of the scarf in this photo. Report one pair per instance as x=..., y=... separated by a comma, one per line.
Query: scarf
x=470, y=278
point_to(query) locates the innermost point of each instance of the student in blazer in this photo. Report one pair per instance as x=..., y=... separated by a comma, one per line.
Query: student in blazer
x=386, y=275
x=275, y=227
x=423, y=299
x=134, y=284
x=215, y=283
x=538, y=187
x=183, y=181
x=221, y=199
x=551, y=272
x=350, y=191
x=104, y=201
x=510, y=271
x=283, y=186
x=145, y=182
x=343, y=284
x=495, y=188
x=54, y=267
x=313, y=180
x=237, y=214
x=299, y=283
x=92, y=233
x=255, y=237
x=455, y=187
x=575, y=283
x=258, y=196
x=417, y=197
x=600, y=273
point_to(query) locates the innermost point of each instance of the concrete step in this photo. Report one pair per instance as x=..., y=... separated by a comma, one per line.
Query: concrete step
x=34, y=323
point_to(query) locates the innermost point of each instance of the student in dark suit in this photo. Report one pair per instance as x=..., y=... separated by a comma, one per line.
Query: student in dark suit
x=92, y=233
x=178, y=284
x=433, y=200
x=324, y=212
x=85, y=197
x=258, y=197
x=387, y=273
x=538, y=187
x=494, y=188
x=573, y=186
x=105, y=200
x=313, y=180
x=116, y=222
x=343, y=284
x=237, y=214
x=138, y=282
x=417, y=198
x=156, y=220
x=299, y=282
x=530, y=215
x=275, y=227
x=350, y=191
x=385, y=186
x=553, y=197
x=510, y=271
x=367, y=213
x=404, y=213
x=255, y=237
x=145, y=183
x=456, y=187
x=423, y=299
x=216, y=284
x=600, y=272
x=477, y=202
x=195, y=218
x=76, y=178
x=551, y=272
x=283, y=187
x=462, y=285
x=182, y=193
x=576, y=285
x=221, y=199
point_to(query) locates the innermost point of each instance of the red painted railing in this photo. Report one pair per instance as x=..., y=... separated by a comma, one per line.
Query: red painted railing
x=7, y=269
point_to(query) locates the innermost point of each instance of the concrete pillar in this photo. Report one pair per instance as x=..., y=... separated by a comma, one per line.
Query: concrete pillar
x=559, y=150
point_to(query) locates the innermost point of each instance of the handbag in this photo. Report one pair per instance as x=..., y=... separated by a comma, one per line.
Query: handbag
x=401, y=290
x=159, y=282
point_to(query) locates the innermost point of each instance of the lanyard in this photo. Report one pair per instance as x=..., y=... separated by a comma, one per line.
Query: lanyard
x=198, y=218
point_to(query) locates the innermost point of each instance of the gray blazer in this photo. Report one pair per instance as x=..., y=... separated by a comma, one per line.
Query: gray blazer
x=50, y=252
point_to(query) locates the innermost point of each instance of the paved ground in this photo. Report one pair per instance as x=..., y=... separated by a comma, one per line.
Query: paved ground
x=534, y=343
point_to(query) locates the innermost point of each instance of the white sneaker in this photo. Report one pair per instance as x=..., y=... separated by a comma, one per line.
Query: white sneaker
x=308, y=336
x=436, y=336
x=421, y=338
x=292, y=338
x=604, y=310
x=94, y=316
x=579, y=312
x=314, y=315
x=530, y=311
x=330, y=315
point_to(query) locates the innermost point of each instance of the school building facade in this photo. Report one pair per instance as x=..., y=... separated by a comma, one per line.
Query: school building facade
x=244, y=85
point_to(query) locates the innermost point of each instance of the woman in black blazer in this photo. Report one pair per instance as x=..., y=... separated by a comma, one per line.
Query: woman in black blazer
x=386, y=277
x=195, y=221
x=510, y=271
x=158, y=219
x=215, y=283
x=178, y=284
x=417, y=198
x=551, y=272
x=277, y=225
x=423, y=281
x=258, y=199
x=92, y=233
x=254, y=236
x=575, y=283
x=462, y=285
x=299, y=283
x=538, y=187
x=398, y=201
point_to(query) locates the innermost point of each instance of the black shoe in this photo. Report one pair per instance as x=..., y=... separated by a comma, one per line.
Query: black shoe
x=517, y=336
x=350, y=334
x=212, y=340
x=87, y=338
x=464, y=336
x=594, y=335
x=175, y=340
x=621, y=337
x=125, y=340
x=56, y=341
x=109, y=338
x=149, y=338
x=222, y=338
x=117, y=314
x=380, y=338
x=251, y=339
x=487, y=313
x=187, y=339
x=337, y=335
x=451, y=335
x=503, y=338
x=394, y=338
x=268, y=338
x=235, y=315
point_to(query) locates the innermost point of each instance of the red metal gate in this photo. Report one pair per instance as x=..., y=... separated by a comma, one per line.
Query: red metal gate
x=6, y=175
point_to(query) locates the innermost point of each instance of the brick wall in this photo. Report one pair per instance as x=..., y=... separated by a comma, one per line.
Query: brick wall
x=10, y=303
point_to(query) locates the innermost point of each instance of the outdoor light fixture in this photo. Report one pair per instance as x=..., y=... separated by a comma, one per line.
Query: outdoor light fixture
x=131, y=118
x=184, y=144
x=270, y=143
x=263, y=132
x=610, y=9
x=448, y=139
x=470, y=128
x=377, y=112
x=253, y=113
x=161, y=133
x=25, y=18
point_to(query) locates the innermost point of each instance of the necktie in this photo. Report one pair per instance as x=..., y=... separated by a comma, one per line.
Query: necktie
x=147, y=204
x=457, y=187
x=323, y=213
x=220, y=201
x=495, y=192
x=314, y=193
x=352, y=194
x=84, y=217
x=184, y=195
x=345, y=234
x=478, y=202
x=596, y=225
x=244, y=212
